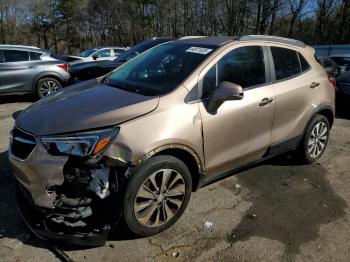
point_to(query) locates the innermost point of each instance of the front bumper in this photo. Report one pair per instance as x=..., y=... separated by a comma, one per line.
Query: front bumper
x=37, y=222
x=36, y=170
x=61, y=199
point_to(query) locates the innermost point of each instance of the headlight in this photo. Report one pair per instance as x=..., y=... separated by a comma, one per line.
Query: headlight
x=80, y=144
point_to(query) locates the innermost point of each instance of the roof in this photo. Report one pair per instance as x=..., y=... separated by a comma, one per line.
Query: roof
x=24, y=48
x=221, y=40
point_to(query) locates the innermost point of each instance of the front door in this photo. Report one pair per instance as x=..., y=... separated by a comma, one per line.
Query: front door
x=16, y=72
x=240, y=130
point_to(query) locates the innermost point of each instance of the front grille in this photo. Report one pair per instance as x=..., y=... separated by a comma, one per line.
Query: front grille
x=345, y=87
x=22, y=143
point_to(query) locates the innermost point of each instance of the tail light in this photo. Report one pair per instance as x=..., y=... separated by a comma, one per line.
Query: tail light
x=63, y=66
x=332, y=80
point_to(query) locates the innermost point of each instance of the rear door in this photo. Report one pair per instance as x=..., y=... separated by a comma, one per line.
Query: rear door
x=297, y=94
x=16, y=72
x=240, y=131
x=117, y=52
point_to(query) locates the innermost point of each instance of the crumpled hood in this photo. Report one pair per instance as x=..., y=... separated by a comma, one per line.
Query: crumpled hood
x=84, y=106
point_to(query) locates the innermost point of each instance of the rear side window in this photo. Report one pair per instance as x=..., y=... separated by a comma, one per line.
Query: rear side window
x=117, y=52
x=303, y=63
x=286, y=62
x=104, y=53
x=15, y=56
x=35, y=55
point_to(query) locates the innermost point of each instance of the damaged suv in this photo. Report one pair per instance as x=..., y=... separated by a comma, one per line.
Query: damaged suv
x=136, y=143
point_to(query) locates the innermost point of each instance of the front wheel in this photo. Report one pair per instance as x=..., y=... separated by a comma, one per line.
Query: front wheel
x=315, y=139
x=157, y=194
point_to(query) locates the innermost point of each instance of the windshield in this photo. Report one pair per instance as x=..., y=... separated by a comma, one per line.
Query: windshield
x=159, y=70
x=87, y=52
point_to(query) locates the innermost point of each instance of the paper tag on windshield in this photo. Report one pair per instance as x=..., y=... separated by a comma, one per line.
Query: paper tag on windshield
x=199, y=50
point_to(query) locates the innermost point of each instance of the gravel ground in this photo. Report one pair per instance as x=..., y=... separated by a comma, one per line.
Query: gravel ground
x=281, y=212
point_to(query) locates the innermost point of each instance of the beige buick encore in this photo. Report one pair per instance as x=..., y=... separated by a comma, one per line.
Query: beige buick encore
x=135, y=143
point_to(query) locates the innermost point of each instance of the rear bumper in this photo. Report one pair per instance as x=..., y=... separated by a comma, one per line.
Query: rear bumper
x=37, y=222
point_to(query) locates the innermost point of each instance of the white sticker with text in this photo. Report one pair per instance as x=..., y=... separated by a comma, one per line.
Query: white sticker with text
x=199, y=50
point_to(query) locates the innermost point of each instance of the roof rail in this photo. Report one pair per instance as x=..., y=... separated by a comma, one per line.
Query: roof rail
x=20, y=46
x=273, y=39
x=191, y=37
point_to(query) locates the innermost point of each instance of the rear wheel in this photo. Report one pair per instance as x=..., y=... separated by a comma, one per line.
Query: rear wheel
x=156, y=195
x=315, y=139
x=47, y=86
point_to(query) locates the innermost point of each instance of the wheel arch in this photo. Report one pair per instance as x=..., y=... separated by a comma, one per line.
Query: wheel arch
x=44, y=75
x=187, y=155
x=326, y=111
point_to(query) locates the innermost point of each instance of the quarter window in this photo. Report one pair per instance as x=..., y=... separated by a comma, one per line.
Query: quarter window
x=15, y=56
x=303, y=63
x=286, y=62
x=243, y=66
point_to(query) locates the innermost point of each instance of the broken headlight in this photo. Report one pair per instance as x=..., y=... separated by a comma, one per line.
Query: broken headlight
x=80, y=144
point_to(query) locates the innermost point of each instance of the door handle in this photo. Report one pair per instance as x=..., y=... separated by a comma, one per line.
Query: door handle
x=266, y=101
x=314, y=84
x=32, y=67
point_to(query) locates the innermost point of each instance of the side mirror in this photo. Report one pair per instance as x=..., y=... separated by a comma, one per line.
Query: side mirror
x=225, y=91
x=95, y=56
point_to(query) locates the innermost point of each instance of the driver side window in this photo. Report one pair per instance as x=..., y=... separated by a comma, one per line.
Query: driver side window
x=243, y=66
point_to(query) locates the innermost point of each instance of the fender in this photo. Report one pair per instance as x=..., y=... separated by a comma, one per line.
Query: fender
x=172, y=146
x=48, y=74
x=317, y=110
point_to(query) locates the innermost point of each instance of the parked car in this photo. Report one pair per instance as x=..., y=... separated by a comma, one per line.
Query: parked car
x=25, y=69
x=343, y=85
x=343, y=61
x=173, y=119
x=99, y=54
x=96, y=69
x=329, y=65
x=340, y=74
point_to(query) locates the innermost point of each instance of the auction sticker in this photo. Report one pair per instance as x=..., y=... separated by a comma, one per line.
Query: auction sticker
x=199, y=50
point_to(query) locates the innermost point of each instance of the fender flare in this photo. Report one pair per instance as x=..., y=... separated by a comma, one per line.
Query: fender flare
x=173, y=146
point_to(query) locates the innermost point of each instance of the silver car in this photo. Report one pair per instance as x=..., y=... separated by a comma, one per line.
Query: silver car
x=25, y=69
x=96, y=54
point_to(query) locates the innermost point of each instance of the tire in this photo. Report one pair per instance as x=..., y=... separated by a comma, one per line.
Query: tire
x=164, y=212
x=46, y=86
x=315, y=140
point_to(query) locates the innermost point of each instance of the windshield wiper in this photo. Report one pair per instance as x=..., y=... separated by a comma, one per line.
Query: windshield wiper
x=122, y=86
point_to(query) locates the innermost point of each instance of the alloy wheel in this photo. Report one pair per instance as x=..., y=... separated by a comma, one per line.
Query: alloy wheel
x=317, y=140
x=159, y=198
x=48, y=87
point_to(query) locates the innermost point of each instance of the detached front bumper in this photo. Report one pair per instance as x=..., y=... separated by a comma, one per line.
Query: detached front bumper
x=37, y=222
